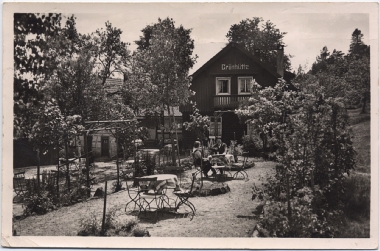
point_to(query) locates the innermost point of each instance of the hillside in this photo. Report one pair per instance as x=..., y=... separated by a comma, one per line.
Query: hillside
x=361, y=127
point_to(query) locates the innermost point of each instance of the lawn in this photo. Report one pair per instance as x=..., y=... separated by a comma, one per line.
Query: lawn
x=226, y=215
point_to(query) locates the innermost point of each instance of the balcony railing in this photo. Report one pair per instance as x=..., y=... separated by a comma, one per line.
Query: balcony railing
x=228, y=101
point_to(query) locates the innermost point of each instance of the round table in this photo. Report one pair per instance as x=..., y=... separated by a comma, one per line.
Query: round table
x=168, y=180
x=222, y=159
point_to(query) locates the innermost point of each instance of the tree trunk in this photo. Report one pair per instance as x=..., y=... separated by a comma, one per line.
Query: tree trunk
x=67, y=166
x=87, y=165
x=162, y=127
x=118, y=186
x=38, y=171
x=171, y=138
x=58, y=171
x=104, y=210
x=176, y=135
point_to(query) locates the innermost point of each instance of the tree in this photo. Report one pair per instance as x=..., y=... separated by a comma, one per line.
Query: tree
x=357, y=46
x=358, y=79
x=138, y=92
x=346, y=76
x=198, y=124
x=76, y=87
x=45, y=81
x=314, y=151
x=31, y=64
x=112, y=54
x=321, y=61
x=165, y=53
x=51, y=128
x=265, y=38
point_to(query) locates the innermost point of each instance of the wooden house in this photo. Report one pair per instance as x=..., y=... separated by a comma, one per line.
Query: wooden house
x=103, y=143
x=221, y=83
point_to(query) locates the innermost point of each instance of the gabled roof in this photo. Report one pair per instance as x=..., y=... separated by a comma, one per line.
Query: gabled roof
x=244, y=51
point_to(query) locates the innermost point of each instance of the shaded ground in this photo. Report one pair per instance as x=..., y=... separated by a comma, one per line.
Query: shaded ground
x=362, y=144
x=226, y=215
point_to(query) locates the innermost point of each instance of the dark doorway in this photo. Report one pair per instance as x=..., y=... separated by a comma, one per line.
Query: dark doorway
x=105, y=146
x=232, y=129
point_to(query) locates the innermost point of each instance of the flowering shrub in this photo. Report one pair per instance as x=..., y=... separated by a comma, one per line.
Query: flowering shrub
x=38, y=204
x=314, y=150
x=252, y=141
x=303, y=220
x=198, y=124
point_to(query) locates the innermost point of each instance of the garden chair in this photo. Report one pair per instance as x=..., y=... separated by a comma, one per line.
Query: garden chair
x=19, y=184
x=183, y=198
x=134, y=199
x=240, y=168
x=145, y=200
x=177, y=170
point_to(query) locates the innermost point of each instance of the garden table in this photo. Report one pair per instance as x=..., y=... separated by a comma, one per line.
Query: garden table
x=221, y=159
x=222, y=162
x=163, y=180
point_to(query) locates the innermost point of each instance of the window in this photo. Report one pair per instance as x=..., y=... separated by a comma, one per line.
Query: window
x=245, y=85
x=223, y=86
x=212, y=126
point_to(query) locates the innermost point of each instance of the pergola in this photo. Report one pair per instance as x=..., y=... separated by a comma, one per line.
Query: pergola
x=92, y=126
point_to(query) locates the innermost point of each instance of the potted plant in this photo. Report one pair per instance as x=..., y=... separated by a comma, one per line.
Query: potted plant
x=235, y=149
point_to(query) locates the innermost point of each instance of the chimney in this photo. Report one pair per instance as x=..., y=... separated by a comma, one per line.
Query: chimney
x=280, y=59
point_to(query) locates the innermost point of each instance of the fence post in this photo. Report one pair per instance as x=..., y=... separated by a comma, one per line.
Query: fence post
x=87, y=165
x=104, y=210
x=67, y=166
x=58, y=180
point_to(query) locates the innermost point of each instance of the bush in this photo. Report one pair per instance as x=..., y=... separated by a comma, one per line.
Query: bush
x=90, y=226
x=253, y=142
x=39, y=204
x=304, y=221
x=139, y=231
x=127, y=226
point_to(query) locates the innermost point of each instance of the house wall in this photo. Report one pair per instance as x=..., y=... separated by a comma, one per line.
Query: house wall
x=97, y=144
x=204, y=84
x=234, y=63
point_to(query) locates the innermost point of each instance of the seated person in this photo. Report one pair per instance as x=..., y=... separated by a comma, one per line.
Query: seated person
x=199, y=160
x=219, y=147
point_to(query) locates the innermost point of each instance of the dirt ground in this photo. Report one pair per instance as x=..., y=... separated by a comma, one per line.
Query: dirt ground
x=225, y=215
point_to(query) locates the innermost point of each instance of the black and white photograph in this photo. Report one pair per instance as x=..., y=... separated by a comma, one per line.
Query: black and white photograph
x=239, y=125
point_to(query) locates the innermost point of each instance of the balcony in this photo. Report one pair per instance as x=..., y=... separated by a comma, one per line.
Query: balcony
x=228, y=101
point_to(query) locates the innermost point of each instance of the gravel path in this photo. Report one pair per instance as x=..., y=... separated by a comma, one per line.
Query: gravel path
x=226, y=215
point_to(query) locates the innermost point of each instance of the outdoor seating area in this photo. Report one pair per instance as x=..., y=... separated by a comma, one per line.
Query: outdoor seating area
x=158, y=193
x=163, y=191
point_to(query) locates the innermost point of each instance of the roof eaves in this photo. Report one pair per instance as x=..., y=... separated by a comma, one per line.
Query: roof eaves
x=242, y=49
x=264, y=65
x=211, y=60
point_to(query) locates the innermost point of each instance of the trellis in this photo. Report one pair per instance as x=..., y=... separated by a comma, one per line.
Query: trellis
x=110, y=125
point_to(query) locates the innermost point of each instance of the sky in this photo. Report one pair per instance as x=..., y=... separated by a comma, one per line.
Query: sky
x=308, y=27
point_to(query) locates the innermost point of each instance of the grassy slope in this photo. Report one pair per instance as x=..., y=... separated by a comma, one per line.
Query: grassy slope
x=357, y=220
x=362, y=143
